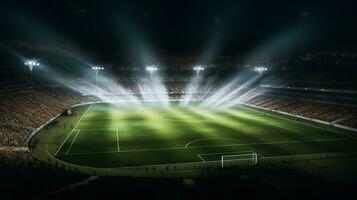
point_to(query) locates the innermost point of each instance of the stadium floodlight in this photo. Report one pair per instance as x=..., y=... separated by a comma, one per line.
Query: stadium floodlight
x=260, y=69
x=31, y=64
x=96, y=70
x=198, y=68
x=151, y=69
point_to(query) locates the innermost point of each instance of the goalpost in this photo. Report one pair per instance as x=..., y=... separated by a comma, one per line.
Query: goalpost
x=246, y=158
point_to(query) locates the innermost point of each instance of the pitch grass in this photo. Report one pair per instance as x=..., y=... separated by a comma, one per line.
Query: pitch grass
x=111, y=136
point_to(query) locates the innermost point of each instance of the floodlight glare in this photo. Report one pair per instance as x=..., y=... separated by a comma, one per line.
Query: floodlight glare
x=151, y=68
x=198, y=68
x=31, y=64
x=96, y=70
x=260, y=69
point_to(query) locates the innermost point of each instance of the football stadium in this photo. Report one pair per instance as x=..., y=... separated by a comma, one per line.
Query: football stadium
x=180, y=100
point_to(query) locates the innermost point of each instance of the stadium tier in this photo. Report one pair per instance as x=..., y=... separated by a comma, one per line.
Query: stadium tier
x=24, y=112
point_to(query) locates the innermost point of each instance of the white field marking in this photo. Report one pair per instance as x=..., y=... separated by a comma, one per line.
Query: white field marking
x=72, y=130
x=212, y=146
x=217, y=138
x=96, y=129
x=180, y=163
x=67, y=163
x=234, y=153
x=218, y=161
x=135, y=167
x=91, y=152
x=205, y=154
x=203, y=160
x=301, y=141
x=168, y=164
x=296, y=121
x=294, y=155
x=254, y=156
x=239, y=152
x=118, y=139
x=69, y=134
x=111, y=168
x=307, y=154
x=70, y=146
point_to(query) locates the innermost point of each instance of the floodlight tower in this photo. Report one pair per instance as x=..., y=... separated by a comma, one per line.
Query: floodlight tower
x=151, y=69
x=96, y=70
x=31, y=64
x=260, y=69
x=198, y=68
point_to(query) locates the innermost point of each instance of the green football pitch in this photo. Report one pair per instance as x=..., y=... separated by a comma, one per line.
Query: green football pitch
x=109, y=136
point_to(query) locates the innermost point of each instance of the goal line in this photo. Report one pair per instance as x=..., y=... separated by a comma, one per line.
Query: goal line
x=231, y=158
x=246, y=158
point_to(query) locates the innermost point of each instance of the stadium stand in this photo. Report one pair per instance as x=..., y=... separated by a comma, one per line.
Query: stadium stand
x=19, y=167
x=22, y=112
x=333, y=113
x=25, y=110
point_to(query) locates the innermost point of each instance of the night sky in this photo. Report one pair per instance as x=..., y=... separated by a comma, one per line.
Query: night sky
x=112, y=31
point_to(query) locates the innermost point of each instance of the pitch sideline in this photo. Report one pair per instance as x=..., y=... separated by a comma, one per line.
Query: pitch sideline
x=213, y=146
x=229, y=153
x=70, y=133
x=75, y=137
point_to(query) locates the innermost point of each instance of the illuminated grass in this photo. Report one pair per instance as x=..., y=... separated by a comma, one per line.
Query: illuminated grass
x=110, y=136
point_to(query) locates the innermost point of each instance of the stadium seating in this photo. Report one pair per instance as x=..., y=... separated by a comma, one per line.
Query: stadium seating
x=333, y=113
x=22, y=112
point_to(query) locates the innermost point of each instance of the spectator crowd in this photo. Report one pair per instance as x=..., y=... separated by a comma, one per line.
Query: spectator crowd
x=332, y=113
x=21, y=113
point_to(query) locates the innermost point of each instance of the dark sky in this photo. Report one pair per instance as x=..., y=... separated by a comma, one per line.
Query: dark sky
x=115, y=30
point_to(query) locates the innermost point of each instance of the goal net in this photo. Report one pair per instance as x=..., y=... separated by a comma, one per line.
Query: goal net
x=239, y=159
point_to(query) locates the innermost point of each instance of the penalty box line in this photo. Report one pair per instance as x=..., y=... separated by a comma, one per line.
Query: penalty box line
x=70, y=133
x=118, y=139
x=78, y=130
x=75, y=137
x=101, y=129
x=224, y=153
x=96, y=129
